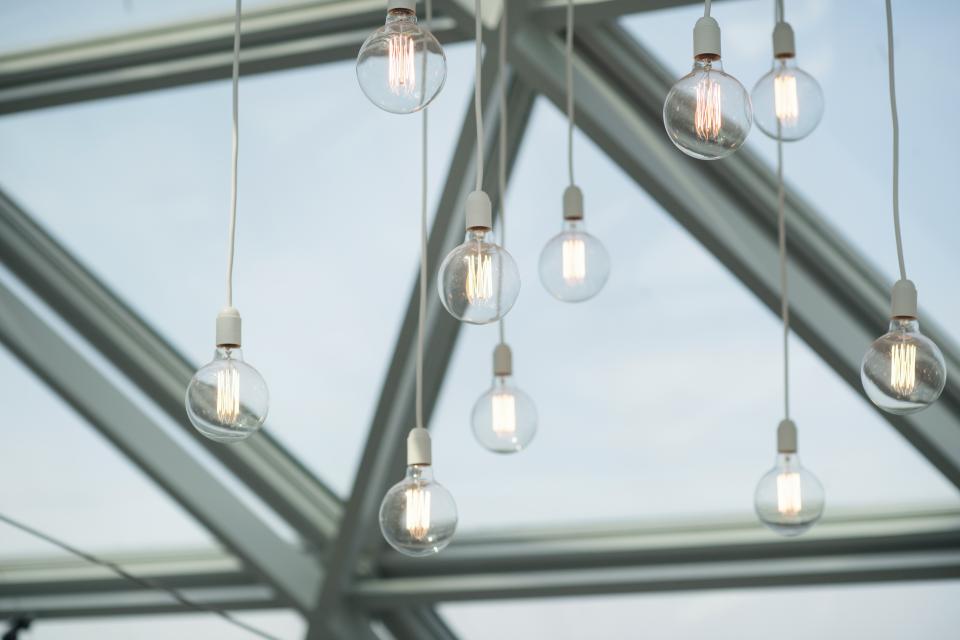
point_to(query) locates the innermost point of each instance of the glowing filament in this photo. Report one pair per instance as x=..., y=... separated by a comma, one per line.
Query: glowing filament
x=574, y=261
x=479, y=285
x=402, y=71
x=707, y=118
x=504, y=410
x=228, y=395
x=418, y=513
x=786, y=104
x=789, y=500
x=903, y=368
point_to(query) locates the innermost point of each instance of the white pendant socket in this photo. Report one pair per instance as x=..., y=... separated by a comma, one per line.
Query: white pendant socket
x=228, y=328
x=783, y=41
x=479, y=211
x=502, y=360
x=904, y=300
x=706, y=38
x=787, y=437
x=419, y=447
x=409, y=5
x=572, y=203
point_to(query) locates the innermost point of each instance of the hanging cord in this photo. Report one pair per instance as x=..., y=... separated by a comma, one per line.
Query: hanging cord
x=502, y=146
x=146, y=583
x=778, y=11
x=706, y=8
x=896, y=141
x=477, y=106
x=232, y=236
x=421, y=317
x=784, y=295
x=570, y=88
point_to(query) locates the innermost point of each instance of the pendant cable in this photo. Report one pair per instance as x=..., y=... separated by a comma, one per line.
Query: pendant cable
x=891, y=70
x=421, y=316
x=145, y=583
x=784, y=294
x=502, y=146
x=570, y=112
x=706, y=8
x=477, y=106
x=232, y=234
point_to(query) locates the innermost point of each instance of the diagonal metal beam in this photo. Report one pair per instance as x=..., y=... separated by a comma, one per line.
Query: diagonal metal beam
x=358, y=543
x=294, y=574
x=141, y=354
x=840, y=303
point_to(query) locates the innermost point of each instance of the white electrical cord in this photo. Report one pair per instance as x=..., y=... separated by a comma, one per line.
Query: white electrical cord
x=477, y=106
x=232, y=240
x=706, y=8
x=896, y=140
x=784, y=295
x=146, y=583
x=502, y=146
x=778, y=11
x=570, y=88
x=421, y=316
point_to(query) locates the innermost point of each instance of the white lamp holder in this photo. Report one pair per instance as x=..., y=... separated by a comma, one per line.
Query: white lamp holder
x=228, y=328
x=787, y=437
x=784, y=45
x=706, y=39
x=419, y=447
x=502, y=360
x=572, y=203
x=904, y=300
x=408, y=5
x=479, y=211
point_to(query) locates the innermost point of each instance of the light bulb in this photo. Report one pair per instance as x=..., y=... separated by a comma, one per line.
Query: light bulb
x=401, y=67
x=504, y=419
x=903, y=371
x=707, y=113
x=789, y=499
x=479, y=281
x=574, y=265
x=227, y=400
x=418, y=516
x=787, y=101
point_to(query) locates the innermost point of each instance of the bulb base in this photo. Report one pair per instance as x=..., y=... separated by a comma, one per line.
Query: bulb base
x=228, y=328
x=572, y=203
x=904, y=300
x=706, y=39
x=419, y=447
x=408, y=5
x=479, y=211
x=787, y=437
x=784, y=44
x=502, y=360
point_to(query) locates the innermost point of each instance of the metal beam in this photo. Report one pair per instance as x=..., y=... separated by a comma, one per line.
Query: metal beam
x=839, y=302
x=149, y=361
x=274, y=38
x=382, y=463
x=552, y=13
x=118, y=418
x=710, y=555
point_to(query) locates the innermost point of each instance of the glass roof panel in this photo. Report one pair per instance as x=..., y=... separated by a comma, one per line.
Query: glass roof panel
x=660, y=397
x=281, y=624
x=327, y=213
x=879, y=612
x=844, y=167
x=60, y=476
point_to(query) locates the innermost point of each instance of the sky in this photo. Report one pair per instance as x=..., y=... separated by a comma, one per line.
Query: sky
x=658, y=400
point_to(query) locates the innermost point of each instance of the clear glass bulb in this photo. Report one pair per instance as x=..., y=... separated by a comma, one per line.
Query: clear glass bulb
x=504, y=419
x=789, y=499
x=903, y=371
x=227, y=400
x=707, y=113
x=418, y=516
x=787, y=99
x=574, y=265
x=401, y=66
x=479, y=281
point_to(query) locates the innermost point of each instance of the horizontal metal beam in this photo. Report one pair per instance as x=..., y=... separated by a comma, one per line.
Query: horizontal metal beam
x=293, y=573
x=710, y=555
x=839, y=302
x=274, y=38
x=552, y=13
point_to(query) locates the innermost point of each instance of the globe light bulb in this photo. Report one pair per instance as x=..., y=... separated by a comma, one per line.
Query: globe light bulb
x=504, y=419
x=401, y=67
x=418, y=516
x=789, y=499
x=574, y=265
x=227, y=400
x=787, y=101
x=707, y=113
x=478, y=281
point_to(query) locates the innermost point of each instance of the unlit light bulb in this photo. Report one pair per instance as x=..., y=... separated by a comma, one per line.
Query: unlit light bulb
x=227, y=400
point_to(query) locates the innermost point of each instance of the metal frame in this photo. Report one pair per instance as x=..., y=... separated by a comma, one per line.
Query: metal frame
x=839, y=304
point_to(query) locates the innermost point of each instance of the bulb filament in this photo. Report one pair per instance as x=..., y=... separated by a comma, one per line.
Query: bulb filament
x=789, y=500
x=401, y=59
x=708, y=117
x=903, y=368
x=786, y=104
x=574, y=261
x=418, y=513
x=228, y=395
x=504, y=410
x=479, y=285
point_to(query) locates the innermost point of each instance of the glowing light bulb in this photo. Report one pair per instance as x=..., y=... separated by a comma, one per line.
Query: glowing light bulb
x=574, y=260
x=504, y=409
x=574, y=265
x=504, y=419
x=708, y=113
x=789, y=493
x=418, y=516
x=789, y=499
x=903, y=371
x=401, y=67
x=786, y=104
x=479, y=284
x=787, y=100
x=227, y=400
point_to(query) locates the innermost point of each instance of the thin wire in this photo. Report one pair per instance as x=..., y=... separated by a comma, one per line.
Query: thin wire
x=422, y=313
x=146, y=583
x=784, y=294
x=778, y=10
x=232, y=241
x=706, y=8
x=891, y=66
x=502, y=146
x=570, y=88
x=476, y=95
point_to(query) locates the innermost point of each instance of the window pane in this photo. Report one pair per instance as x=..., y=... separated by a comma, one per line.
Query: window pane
x=282, y=624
